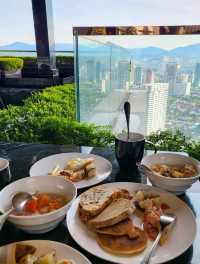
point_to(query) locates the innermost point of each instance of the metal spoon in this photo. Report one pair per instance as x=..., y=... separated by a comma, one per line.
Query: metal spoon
x=165, y=220
x=127, y=109
x=18, y=202
x=144, y=169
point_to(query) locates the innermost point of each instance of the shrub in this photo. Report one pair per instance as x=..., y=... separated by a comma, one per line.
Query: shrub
x=53, y=101
x=10, y=64
x=60, y=60
x=60, y=131
x=48, y=117
x=169, y=140
x=175, y=140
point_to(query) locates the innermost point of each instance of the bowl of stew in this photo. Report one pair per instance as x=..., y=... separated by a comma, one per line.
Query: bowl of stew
x=51, y=198
x=171, y=171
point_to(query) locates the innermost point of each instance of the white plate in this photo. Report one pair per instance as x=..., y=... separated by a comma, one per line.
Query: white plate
x=180, y=239
x=45, y=165
x=43, y=247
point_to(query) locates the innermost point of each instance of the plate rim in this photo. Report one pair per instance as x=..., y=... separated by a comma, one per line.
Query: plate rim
x=76, y=153
x=142, y=184
x=51, y=241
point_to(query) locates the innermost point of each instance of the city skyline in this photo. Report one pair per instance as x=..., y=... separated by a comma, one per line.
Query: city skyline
x=158, y=94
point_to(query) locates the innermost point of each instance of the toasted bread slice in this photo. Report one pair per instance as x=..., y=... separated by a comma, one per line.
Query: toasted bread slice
x=117, y=211
x=123, y=245
x=122, y=228
x=95, y=200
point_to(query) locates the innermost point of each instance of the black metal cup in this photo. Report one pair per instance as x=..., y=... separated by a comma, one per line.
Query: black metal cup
x=130, y=150
x=5, y=175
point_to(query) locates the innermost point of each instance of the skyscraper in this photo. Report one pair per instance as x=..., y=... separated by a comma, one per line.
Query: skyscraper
x=123, y=74
x=156, y=111
x=138, y=75
x=98, y=72
x=90, y=70
x=171, y=73
x=197, y=75
x=182, y=88
x=149, y=76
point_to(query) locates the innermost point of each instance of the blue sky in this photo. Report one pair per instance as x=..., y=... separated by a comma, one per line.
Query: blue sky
x=16, y=23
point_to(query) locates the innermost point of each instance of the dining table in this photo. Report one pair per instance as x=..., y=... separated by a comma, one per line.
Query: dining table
x=23, y=155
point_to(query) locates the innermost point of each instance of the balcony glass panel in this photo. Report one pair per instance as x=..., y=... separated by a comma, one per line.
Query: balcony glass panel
x=158, y=74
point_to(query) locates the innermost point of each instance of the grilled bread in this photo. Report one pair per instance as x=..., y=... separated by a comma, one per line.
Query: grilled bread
x=123, y=245
x=122, y=228
x=117, y=211
x=95, y=200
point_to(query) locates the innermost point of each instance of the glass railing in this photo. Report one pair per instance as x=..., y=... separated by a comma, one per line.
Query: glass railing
x=156, y=69
x=104, y=72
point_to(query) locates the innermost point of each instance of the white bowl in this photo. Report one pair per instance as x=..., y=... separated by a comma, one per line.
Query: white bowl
x=174, y=185
x=38, y=224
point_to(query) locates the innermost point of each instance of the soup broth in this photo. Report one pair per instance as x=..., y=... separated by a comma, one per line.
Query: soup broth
x=42, y=203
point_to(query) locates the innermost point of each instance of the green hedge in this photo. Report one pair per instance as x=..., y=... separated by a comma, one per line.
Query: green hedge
x=10, y=64
x=49, y=117
x=60, y=60
x=175, y=140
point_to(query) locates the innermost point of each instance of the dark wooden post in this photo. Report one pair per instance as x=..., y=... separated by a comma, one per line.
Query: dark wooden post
x=44, y=35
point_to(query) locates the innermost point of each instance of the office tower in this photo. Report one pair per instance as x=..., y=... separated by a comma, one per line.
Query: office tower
x=90, y=70
x=156, y=106
x=123, y=74
x=197, y=75
x=182, y=85
x=98, y=72
x=149, y=76
x=138, y=75
x=183, y=77
x=182, y=88
x=171, y=73
x=132, y=70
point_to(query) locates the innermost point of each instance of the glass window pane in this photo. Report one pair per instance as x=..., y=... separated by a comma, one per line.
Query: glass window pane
x=158, y=75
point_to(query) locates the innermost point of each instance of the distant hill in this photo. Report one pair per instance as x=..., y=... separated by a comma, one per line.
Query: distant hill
x=25, y=46
x=138, y=53
x=18, y=46
x=186, y=51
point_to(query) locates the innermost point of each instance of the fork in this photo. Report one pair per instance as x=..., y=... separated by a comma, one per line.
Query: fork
x=165, y=220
